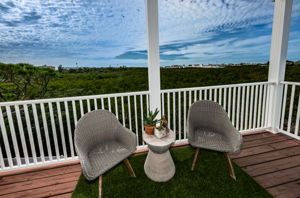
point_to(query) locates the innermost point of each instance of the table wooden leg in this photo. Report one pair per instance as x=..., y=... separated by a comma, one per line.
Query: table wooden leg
x=100, y=187
x=129, y=168
x=230, y=166
x=195, y=158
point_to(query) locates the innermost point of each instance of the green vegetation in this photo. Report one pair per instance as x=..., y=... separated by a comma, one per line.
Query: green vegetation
x=210, y=179
x=23, y=81
x=118, y=80
x=97, y=81
x=46, y=83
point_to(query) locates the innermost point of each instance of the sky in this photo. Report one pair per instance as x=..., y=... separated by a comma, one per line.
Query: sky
x=113, y=32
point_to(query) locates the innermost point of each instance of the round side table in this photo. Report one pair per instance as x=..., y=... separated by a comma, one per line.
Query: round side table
x=159, y=165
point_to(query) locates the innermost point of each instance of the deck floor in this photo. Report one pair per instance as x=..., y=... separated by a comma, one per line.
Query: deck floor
x=272, y=160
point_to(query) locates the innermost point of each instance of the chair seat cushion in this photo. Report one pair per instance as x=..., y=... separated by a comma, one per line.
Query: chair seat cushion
x=107, y=155
x=208, y=139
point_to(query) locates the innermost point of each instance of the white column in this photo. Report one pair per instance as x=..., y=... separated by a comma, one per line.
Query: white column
x=279, y=46
x=153, y=54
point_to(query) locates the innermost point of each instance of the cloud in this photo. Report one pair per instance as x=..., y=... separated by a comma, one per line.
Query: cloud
x=104, y=32
x=140, y=54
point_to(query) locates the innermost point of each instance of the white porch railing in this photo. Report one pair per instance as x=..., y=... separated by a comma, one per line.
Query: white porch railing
x=40, y=132
x=290, y=113
x=246, y=105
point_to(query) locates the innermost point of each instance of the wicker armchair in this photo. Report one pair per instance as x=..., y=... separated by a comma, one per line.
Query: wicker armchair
x=101, y=143
x=209, y=127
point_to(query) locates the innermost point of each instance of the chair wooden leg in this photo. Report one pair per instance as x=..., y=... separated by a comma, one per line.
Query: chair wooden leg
x=100, y=187
x=129, y=168
x=195, y=158
x=230, y=166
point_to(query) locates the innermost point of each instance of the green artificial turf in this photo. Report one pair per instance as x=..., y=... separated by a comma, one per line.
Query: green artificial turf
x=209, y=180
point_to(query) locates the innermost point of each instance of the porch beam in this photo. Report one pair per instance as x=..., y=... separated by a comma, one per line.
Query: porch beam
x=278, y=53
x=153, y=54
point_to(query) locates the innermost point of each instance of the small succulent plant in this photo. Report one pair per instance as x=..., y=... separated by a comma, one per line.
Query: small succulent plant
x=150, y=119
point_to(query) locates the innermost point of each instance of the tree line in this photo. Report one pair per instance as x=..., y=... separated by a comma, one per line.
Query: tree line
x=24, y=81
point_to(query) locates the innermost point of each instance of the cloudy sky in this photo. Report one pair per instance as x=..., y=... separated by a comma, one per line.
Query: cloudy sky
x=113, y=32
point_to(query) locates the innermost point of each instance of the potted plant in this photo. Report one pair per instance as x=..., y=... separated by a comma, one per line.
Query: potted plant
x=150, y=122
x=162, y=130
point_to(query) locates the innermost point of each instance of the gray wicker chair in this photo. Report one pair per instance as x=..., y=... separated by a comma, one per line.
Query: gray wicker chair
x=209, y=127
x=101, y=143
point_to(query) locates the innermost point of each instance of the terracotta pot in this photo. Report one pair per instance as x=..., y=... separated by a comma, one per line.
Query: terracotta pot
x=149, y=130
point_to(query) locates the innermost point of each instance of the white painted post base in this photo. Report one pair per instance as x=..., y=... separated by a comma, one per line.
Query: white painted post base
x=272, y=130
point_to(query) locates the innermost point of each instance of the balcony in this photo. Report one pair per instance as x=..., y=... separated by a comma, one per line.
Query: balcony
x=37, y=155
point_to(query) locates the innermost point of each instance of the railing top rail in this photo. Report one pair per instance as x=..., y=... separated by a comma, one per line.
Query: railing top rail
x=215, y=87
x=74, y=98
x=290, y=83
